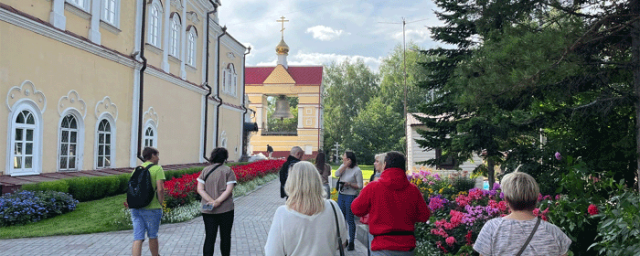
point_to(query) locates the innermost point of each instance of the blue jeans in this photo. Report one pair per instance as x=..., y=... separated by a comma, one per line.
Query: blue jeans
x=145, y=221
x=344, y=201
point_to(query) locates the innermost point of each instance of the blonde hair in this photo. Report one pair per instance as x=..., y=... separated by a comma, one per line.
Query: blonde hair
x=380, y=157
x=304, y=187
x=520, y=190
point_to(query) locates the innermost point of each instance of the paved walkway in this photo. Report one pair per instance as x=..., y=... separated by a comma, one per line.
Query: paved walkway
x=253, y=214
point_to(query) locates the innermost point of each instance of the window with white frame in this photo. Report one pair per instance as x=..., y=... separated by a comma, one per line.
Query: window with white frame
x=155, y=24
x=111, y=12
x=223, y=139
x=67, y=157
x=24, y=141
x=174, y=35
x=230, y=82
x=192, y=36
x=105, y=138
x=150, y=136
x=82, y=4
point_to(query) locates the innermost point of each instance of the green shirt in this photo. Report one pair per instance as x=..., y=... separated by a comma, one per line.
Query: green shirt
x=156, y=174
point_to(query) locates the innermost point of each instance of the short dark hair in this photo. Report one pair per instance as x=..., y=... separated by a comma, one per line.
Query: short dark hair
x=219, y=155
x=395, y=159
x=351, y=156
x=148, y=152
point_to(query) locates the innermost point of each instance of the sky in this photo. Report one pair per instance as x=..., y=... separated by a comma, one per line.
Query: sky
x=319, y=32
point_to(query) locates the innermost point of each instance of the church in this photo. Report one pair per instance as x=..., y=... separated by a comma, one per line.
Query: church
x=285, y=81
x=88, y=83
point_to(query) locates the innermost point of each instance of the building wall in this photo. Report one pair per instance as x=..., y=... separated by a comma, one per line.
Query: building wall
x=94, y=78
x=418, y=154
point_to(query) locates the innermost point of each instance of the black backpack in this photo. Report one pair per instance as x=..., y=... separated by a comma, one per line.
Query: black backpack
x=140, y=192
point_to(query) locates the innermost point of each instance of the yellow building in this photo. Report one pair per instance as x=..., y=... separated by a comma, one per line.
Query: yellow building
x=71, y=70
x=303, y=82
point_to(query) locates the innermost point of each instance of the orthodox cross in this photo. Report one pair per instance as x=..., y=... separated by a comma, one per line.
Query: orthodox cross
x=282, y=20
x=337, y=149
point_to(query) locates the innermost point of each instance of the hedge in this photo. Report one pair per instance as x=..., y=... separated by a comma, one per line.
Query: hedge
x=92, y=188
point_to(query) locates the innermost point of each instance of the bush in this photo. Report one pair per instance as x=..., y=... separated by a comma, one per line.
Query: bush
x=463, y=183
x=56, y=185
x=28, y=206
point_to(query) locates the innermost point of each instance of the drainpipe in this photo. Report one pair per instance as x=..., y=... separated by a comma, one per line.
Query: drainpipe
x=224, y=32
x=141, y=92
x=206, y=82
x=244, y=59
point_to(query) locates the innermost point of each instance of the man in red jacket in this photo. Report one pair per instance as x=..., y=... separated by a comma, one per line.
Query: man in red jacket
x=394, y=206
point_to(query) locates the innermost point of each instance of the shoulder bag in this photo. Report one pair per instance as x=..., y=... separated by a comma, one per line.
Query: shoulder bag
x=340, y=245
x=530, y=237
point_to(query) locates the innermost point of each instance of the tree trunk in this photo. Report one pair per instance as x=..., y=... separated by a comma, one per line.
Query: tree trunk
x=635, y=58
x=491, y=172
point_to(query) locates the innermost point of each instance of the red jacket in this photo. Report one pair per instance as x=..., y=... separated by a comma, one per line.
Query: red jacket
x=393, y=204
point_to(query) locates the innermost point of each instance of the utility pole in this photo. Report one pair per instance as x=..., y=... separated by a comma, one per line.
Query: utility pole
x=404, y=74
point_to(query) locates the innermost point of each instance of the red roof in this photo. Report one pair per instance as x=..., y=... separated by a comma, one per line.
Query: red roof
x=309, y=75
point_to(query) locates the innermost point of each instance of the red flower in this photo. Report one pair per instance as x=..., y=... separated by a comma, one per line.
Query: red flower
x=451, y=240
x=593, y=209
x=468, y=237
x=126, y=205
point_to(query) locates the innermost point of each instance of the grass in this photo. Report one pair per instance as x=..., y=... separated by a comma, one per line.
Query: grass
x=89, y=217
x=367, y=171
x=96, y=216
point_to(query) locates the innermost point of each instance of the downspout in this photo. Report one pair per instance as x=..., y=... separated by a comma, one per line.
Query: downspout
x=224, y=32
x=319, y=114
x=206, y=82
x=244, y=83
x=141, y=92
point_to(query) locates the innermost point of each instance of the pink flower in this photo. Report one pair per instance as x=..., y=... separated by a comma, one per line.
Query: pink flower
x=536, y=212
x=593, y=209
x=450, y=240
x=558, y=156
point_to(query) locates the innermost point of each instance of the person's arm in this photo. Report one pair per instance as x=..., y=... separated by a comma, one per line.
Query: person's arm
x=359, y=183
x=227, y=192
x=275, y=242
x=203, y=193
x=160, y=190
x=361, y=206
x=341, y=170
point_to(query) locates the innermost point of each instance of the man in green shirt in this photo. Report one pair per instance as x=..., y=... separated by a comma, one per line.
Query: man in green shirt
x=147, y=219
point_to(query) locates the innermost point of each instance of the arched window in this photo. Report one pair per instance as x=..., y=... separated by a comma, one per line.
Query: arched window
x=223, y=139
x=24, y=141
x=174, y=35
x=111, y=12
x=104, y=142
x=155, y=23
x=230, y=83
x=69, y=142
x=82, y=4
x=192, y=36
x=150, y=136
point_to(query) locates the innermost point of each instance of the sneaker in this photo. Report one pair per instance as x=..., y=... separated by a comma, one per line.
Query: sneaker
x=351, y=247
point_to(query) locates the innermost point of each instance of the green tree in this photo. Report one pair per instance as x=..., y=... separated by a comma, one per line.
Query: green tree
x=348, y=87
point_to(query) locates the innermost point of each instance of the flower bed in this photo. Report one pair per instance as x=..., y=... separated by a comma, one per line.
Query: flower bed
x=181, y=191
x=32, y=206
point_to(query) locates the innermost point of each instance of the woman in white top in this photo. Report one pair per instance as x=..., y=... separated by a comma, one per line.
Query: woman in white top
x=306, y=225
x=509, y=235
x=350, y=185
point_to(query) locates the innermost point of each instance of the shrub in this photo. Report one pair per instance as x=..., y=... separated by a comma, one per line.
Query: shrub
x=56, y=185
x=463, y=183
x=28, y=206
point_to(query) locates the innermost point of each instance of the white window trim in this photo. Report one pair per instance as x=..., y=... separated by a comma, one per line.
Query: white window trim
x=152, y=125
x=175, y=42
x=86, y=3
x=79, y=139
x=116, y=18
x=36, y=165
x=112, y=123
x=159, y=29
x=228, y=85
x=223, y=139
x=192, y=55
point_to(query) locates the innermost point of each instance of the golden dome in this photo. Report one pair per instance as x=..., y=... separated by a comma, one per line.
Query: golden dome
x=282, y=47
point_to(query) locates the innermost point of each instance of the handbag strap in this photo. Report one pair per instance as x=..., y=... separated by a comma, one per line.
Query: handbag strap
x=530, y=237
x=207, y=176
x=335, y=215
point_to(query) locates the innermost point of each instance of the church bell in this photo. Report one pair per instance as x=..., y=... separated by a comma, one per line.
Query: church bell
x=282, y=108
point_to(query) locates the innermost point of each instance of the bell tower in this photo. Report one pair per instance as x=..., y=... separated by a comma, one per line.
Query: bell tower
x=284, y=82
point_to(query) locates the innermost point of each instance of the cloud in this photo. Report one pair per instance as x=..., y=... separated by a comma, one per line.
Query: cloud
x=415, y=35
x=315, y=58
x=323, y=33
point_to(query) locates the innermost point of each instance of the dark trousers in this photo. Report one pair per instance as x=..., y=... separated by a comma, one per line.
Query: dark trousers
x=211, y=223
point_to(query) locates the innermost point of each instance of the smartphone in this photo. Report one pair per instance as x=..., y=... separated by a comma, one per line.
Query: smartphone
x=207, y=207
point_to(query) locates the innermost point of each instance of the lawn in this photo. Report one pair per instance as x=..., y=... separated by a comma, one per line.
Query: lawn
x=367, y=171
x=101, y=213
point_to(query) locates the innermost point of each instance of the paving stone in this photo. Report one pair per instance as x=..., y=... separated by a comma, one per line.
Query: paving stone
x=252, y=220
